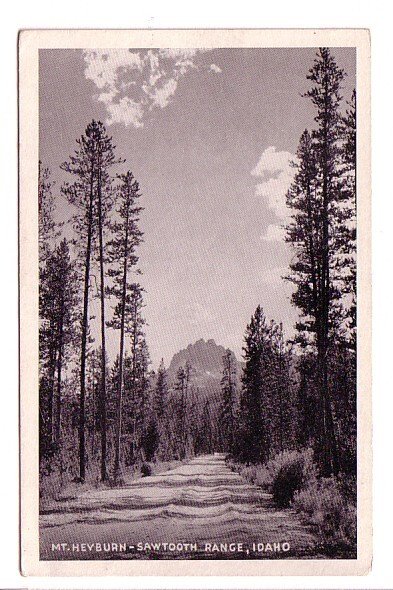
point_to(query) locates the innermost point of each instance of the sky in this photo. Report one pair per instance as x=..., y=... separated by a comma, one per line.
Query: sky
x=209, y=135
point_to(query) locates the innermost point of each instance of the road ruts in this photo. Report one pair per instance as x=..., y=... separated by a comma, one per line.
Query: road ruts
x=202, y=503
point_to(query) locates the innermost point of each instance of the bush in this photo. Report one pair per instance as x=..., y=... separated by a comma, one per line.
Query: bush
x=282, y=475
x=146, y=469
x=290, y=471
x=326, y=507
x=288, y=480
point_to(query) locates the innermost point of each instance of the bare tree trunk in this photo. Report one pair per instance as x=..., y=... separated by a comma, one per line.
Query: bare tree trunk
x=280, y=392
x=58, y=389
x=121, y=363
x=52, y=394
x=103, y=347
x=85, y=320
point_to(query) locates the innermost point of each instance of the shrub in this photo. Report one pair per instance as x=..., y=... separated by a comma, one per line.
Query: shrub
x=146, y=469
x=288, y=480
x=282, y=475
x=289, y=472
x=326, y=507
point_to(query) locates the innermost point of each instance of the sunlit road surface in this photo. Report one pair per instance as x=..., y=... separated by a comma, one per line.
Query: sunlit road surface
x=199, y=510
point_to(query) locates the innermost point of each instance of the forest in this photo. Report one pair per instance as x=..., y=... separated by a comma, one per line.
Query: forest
x=291, y=398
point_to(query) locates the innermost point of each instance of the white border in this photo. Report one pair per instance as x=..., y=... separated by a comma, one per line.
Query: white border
x=30, y=43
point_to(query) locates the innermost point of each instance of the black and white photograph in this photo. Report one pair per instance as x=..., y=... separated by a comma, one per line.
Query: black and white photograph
x=197, y=251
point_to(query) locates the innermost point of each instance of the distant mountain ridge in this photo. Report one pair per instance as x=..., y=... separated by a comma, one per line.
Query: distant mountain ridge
x=205, y=358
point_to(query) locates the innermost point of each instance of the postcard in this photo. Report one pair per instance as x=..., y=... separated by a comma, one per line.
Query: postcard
x=195, y=318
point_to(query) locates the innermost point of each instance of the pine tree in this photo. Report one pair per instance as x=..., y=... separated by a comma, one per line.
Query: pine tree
x=121, y=253
x=46, y=209
x=47, y=233
x=68, y=315
x=348, y=241
x=254, y=426
x=283, y=403
x=206, y=423
x=161, y=392
x=318, y=234
x=93, y=388
x=182, y=387
x=136, y=368
x=89, y=194
x=105, y=159
x=58, y=314
x=142, y=394
x=228, y=402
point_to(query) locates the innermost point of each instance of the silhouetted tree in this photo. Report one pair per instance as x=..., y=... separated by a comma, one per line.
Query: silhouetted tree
x=58, y=315
x=254, y=427
x=182, y=387
x=126, y=236
x=228, y=401
x=319, y=236
x=89, y=194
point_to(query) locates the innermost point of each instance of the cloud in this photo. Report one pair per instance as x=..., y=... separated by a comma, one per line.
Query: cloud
x=125, y=111
x=161, y=96
x=133, y=83
x=215, y=69
x=276, y=174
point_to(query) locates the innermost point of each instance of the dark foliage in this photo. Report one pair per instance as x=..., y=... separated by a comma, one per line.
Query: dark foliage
x=288, y=480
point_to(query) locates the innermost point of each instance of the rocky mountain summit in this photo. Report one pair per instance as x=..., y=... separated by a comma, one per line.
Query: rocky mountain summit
x=205, y=358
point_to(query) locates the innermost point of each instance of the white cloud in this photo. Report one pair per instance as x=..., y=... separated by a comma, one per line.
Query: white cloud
x=102, y=65
x=215, y=69
x=126, y=111
x=160, y=96
x=133, y=83
x=276, y=173
x=272, y=162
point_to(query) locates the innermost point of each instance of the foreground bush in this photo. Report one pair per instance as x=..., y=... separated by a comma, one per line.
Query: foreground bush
x=288, y=480
x=282, y=475
x=325, y=506
x=291, y=471
x=146, y=470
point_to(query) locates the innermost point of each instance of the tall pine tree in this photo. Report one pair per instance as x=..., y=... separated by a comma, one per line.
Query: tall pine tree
x=121, y=253
x=254, y=426
x=90, y=193
x=228, y=400
x=318, y=233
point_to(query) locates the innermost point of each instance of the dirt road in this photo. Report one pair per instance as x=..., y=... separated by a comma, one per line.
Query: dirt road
x=200, y=509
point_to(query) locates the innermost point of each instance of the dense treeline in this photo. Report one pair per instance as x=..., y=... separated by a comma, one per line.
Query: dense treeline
x=305, y=395
x=290, y=395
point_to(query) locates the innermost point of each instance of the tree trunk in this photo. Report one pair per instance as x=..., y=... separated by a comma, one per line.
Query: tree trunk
x=121, y=361
x=330, y=451
x=51, y=399
x=59, y=369
x=85, y=321
x=103, y=348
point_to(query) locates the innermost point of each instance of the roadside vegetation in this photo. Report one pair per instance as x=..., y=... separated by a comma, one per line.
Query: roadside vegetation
x=327, y=504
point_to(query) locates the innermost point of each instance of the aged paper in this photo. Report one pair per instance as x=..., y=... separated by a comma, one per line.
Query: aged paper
x=195, y=306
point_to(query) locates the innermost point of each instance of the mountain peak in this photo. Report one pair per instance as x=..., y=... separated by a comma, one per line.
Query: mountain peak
x=205, y=357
